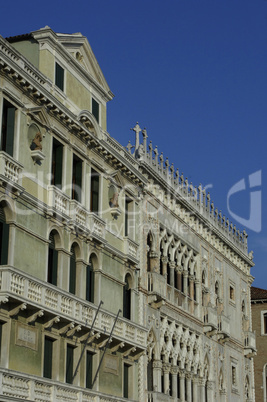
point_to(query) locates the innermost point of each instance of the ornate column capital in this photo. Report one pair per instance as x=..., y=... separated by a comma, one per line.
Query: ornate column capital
x=164, y=259
x=201, y=382
x=157, y=364
x=174, y=370
x=181, y=374
x=172, y=264
x=166, y=367
x=188, y=376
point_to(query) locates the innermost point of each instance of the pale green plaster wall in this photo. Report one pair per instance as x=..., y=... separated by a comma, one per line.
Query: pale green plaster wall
x=29, y=49
x=109, y=382
x=22, y=358
x=47, y=64
x=111, y=295
x=78, y=93
x=31, y=257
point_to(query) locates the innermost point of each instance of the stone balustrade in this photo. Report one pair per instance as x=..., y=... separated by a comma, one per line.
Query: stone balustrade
x=74, y=213
x=10, y=169
x=210, y=319
x=197, y=197
x=250, y=344
x=38, y=294
x=14, y=386
x=131, y=249
x=224, y=327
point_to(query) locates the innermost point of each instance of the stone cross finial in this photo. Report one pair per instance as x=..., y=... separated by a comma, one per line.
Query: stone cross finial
x=137, y=130
x=129, y=146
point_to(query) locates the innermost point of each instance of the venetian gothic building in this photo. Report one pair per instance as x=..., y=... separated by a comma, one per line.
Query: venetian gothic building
x=118, y=278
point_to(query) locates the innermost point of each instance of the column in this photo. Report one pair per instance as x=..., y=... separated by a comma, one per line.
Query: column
x=201, y=383
x=179, y=279
x=157, y=366
x=172, y=266
x=210, y=391
x=188, y=388
x=185, y=290
x=153, y=259
x=166, y=371
x=182, y=387
x=164, y=261
x=195, y=397
x=174, y=372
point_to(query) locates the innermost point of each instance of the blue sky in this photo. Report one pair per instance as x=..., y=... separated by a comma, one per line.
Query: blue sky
x=193, y=73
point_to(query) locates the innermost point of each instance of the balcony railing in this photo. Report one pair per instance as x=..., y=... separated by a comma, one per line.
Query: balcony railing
x=18, y=386
x=131, y=249
x=224, y=327
x=73, y=212
x=23, y=288
x=157, y=284
x=10, y=169
x=210, y=319
x=250, y=344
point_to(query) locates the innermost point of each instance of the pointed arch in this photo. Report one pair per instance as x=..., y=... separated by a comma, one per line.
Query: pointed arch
x=74, y=254
x=52, y=268
x=90, y=277
x=127, y=296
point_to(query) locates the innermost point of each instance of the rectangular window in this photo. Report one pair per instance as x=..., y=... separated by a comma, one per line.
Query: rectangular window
x=77, y=178
x=232, y=293
x=126, y=369
x=265, y=323
x=95, y=109
x=57, y=159
x=89, y=369
x=69, y=363
x=94, y=191
x=59, y=77
x=8, y=128
x=48, y=357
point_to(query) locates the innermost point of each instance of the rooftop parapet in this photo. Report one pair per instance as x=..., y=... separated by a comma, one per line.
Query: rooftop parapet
x=196, y=196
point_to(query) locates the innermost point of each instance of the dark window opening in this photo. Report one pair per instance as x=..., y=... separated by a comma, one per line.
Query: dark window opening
x=57, y=159
x=72, y=275
x=89, y=369
x=150, y=376
x=95, y=109
x=127, y=299
x=126, y=377
x=8, y=128
x=94, y=191
x=77, y=178
x=52, y=261
x=59, y=77
x=48, y=357
x=90, y=282
x=69, y=363
x=4, y=238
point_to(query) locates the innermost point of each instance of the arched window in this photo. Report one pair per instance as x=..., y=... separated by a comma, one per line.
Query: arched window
x=247, y=388
x=217, y=291
x=52, y=260
x=149, y=247
x=90, y=280
x=127, y=298
x=72, y=273
x=4, y=238
x=168, y=273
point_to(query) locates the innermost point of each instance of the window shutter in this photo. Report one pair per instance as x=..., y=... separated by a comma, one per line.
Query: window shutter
x=10, y=130
x=95, y=109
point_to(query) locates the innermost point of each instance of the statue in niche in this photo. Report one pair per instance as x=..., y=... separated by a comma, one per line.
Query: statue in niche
x=36, y=142
x=113, y=202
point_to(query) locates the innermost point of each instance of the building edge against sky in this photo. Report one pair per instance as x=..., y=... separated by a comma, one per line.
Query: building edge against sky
x=117, y=276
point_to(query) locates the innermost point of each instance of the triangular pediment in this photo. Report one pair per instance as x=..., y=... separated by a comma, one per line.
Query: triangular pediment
x=117, y=179
x=39, y=114
x=78, y=46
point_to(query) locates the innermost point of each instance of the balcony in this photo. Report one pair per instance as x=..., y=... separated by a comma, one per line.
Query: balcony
x=75, y=215
x=131, y=250
x=156, y=284
x=10, y=171
x=18, y=386
x=250, y=344
x=210, y=320
x=26, y=292
x=223, y=328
